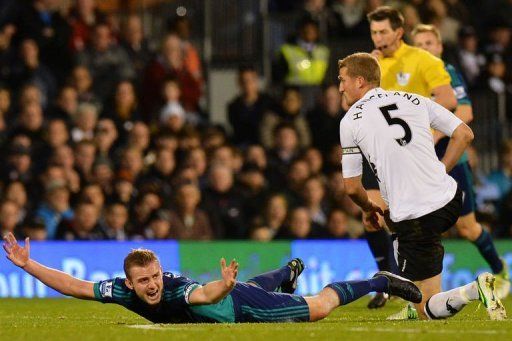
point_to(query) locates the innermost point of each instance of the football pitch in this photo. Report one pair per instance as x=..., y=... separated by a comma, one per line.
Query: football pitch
x=59, y=319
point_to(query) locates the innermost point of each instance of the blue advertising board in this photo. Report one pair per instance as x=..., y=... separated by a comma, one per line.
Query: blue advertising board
x=92, y=261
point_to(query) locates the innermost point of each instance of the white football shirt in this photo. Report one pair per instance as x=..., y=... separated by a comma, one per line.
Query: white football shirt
x=392, y=130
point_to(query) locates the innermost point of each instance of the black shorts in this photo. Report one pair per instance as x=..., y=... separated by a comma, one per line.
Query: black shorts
x=369, y=179
x=417, y=242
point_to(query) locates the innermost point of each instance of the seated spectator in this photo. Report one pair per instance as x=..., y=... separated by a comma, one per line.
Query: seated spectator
x=42, y=22
x=245, y=111
x=82, y=81
x=273, y=216
x=160, y=174
x=30, y=123
x=103, y=174
x=171, y=63
x=83, y=17
x=261, y=234
x=324, y=120
x=350, y=19
x=57, y=135
x=282, y=155
x=196, y=159
x=123, y=109
x=34, y=229
x=135, y=43
x=254, y=189
x=83, y=226
x=105, y=137
x=5, y=112
x=132, y=162
x=188, y=221
x=66, y=105
x=224, y=204
x=299, y=225
x=290, y=112
x=114, y=222
x=298, y=173
x=54, y=208
x=337, y=225
x=9, y=214
x=123, y=190
x=64, y=157
x=17, y=193
x=139, y=137
x=84, y=156
x=158, y=225
x=93, y=193
x=85, y=121
x=19, y=164
x=313, y=196
x=145, y=204
x=181, y=26
x=314, y=159
x=172, y=118
x=30, y=70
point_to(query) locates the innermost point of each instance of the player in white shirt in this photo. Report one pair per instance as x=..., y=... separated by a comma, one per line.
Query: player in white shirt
x=392, y=130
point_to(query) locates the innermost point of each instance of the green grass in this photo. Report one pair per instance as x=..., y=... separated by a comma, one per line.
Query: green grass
x=58, y=319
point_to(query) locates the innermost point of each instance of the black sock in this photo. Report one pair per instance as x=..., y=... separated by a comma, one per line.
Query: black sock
x=381, y=246
x=487, y=249
x=272, y=280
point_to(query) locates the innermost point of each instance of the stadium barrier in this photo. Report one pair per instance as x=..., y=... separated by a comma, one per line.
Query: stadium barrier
x=326, y=261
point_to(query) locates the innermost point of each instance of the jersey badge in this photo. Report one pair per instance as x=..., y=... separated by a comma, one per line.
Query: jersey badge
x=403, y=78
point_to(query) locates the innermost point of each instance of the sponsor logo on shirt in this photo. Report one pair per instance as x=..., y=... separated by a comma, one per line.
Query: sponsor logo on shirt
x=403, y=78
x=106, y=288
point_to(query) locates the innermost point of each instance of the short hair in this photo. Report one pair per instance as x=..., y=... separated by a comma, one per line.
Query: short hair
x=138, y=257
x=396, y=19
x=362, y=64
x=424, y=28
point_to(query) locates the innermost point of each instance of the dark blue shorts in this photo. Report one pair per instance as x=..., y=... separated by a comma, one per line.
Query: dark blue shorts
x=464, y=177
x=253, y=304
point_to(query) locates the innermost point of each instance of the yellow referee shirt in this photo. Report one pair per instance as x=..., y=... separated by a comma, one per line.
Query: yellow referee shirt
x=412, y=69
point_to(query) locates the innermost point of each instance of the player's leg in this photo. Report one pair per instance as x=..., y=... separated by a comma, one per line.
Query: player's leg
x=469, y=228
x=341, y=293
x=285, y=277
x=379, y=241
x=442, y=305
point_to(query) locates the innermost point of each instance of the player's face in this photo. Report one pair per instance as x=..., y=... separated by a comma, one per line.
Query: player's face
x=384, y=37
x=147, y=282
x=428, y=41
x=348, y=87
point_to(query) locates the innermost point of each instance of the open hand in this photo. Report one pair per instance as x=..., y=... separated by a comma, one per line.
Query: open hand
x=15, y=253
x=229, y=273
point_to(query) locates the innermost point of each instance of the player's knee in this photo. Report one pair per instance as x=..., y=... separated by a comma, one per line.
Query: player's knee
x=469, y=230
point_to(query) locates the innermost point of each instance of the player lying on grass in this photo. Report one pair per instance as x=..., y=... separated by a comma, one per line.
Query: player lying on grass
x=163, y=297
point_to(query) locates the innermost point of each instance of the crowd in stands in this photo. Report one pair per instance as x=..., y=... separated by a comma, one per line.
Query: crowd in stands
x=104, y=137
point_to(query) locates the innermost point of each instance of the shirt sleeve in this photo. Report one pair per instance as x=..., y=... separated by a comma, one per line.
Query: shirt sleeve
x=442, y=119
x=180, y=288
x=434, y=72
x=112, y=291
x=351, y=158
x=458, y=85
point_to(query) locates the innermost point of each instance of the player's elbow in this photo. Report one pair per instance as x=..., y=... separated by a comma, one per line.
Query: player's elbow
x=464, y=134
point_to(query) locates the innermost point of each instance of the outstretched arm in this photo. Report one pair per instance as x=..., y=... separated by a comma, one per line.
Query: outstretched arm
x=215, y=291
x=55, y=279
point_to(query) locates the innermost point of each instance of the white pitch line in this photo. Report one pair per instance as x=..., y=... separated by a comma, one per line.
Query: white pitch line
x=423, y=331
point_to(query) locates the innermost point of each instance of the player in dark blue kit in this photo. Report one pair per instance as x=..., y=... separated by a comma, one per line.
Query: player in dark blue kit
x=428, y=38
x=163, y=297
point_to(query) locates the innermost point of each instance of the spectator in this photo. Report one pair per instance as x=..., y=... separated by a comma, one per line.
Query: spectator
x=105, y=137
x=103, y=174
x=107, y=61
x=161, y=172
x=44, y=24
x=171, y=63
x=5, y=111
x=338, y=196
x=471, y=61
x=224, y=204
x=290, y=112
x=172, y=118
x=84, y=155
x=66, y=105
x=159, y=225
x=139, y=137
x=196, y=159
x=189, y=222
x=30, y=123
x=146, y=203
x=114, y=222
x=55, y=207
x=132, y=162
x=245, y=111
x=82, y=81
x=82, y=18
x=9, y=214
x=135, y=44
x=298, y=173
x=350, y=19
x=315, y=161
x=299, y=225
x=83, y=226
x=18, y=167
x=123, y=109
x=30, y=70
x=285, y=151
x=313, y=195
x=324, y=119
x=85, y=122
x=35, y=230
x=64, y=157
x=181, y=26
x=303, y=62
x=93, y=193
x=273, y=216
x=254, y=189
x=337, y=225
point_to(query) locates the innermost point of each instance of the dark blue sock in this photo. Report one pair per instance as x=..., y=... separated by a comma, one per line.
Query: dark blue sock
x=381, y=247
x=487, y=249
x=272, y=280
x=352, y=290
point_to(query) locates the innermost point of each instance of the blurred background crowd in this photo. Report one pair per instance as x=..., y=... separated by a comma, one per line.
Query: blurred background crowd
x=110, y=126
